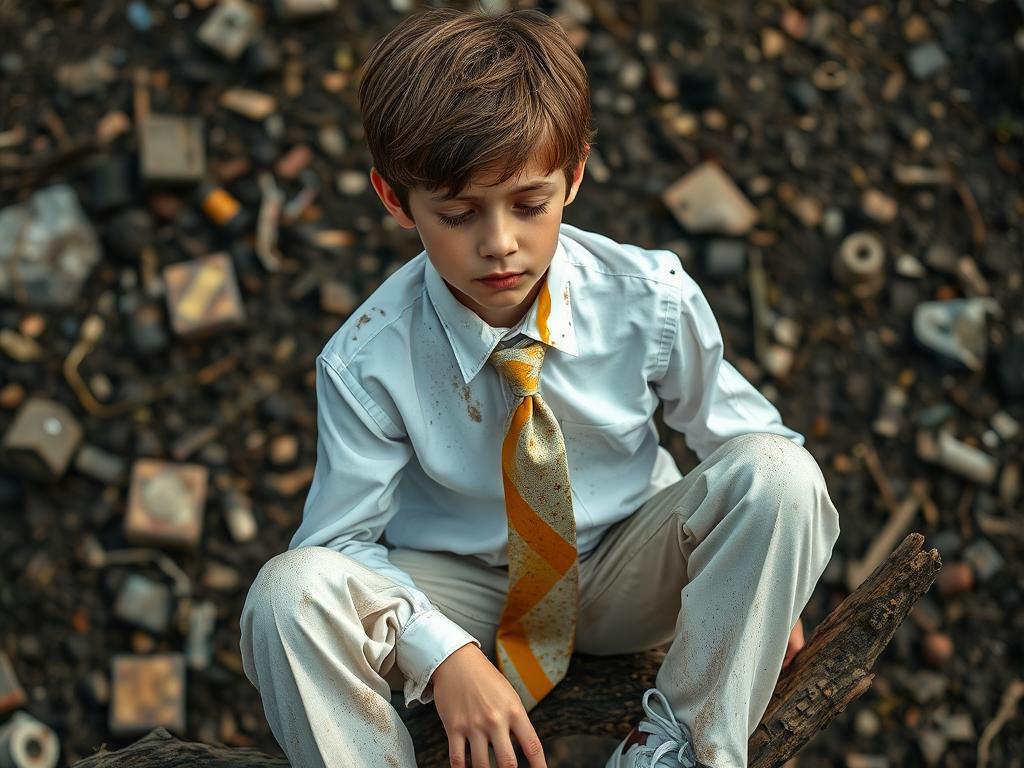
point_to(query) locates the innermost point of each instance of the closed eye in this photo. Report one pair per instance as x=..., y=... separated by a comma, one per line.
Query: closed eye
x=457, y=221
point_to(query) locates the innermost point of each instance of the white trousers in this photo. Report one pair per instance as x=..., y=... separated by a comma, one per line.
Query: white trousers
x=719, y=565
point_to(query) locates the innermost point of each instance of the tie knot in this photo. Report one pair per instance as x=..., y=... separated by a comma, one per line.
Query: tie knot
x=520, y=367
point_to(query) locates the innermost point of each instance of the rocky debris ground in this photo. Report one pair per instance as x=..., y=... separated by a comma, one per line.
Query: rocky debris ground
x=185, y=218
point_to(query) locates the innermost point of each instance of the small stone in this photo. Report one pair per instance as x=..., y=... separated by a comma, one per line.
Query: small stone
x=807, y=210
x=794, y=23
x=858, y=760
x=866, y=723
x=803, y=95
x=915, y=29
x=239, y=516
x=144, y=603
x=87, y=76
x=254, y=105
x=112, y=126
x=954, y=579
x=714, y=119
x=927, y=686
x=984, y=558
x=932, y=745
x=334, y=82
x=351, y=183
x=878, y=206
x=773, y=43
x=778, y=361
x=331, y=141
x=685, y=124
x=971, y=279
x=725, y=259
x=631, y=75
x=220, y=577
x=926, y=60
x=942, y=257
x=959, y=727
x=100, y=464
x=908, y=266
x=921, y=139
x=787, y=332
x=663, y=82
x=11, y=396
x=938, y=649
x=832, y=222
x=294, y=161
x=284, y=449
x=32, y=325
x=1005, y=425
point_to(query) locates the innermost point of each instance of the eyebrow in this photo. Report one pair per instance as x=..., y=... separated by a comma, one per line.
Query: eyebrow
x=537, y=185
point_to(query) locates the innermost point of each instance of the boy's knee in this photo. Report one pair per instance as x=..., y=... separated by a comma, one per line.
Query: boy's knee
x=784, y=478
x=284, y=582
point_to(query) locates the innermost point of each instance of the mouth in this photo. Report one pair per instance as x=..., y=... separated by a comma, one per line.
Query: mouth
x=502, y=280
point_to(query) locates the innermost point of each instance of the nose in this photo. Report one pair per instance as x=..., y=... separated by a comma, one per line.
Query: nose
x=497, y=236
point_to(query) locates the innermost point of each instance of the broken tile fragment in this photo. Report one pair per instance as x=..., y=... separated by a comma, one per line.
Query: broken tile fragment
x=147, y=692
x=707, y=201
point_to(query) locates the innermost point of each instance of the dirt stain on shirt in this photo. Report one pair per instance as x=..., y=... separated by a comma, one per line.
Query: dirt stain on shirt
x=466, y=393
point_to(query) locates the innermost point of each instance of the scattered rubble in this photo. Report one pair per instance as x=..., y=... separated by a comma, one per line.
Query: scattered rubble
x=185, y=218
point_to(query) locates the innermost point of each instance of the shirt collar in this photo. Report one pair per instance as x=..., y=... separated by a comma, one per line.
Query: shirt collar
x=549, y=319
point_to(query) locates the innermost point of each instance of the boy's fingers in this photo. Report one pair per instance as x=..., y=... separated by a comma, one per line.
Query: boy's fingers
x=503, y=751
x=478, y=750
x=530, y=745
x=457, y=751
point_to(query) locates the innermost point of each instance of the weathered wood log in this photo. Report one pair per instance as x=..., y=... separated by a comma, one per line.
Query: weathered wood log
x=160, y=748
x=601, y=695
x=834, y=667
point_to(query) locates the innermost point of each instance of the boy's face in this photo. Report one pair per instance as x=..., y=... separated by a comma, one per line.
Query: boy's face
x=488, y=231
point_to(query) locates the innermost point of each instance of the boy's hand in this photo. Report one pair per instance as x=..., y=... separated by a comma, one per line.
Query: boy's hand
x=796, y=642
x=476, y=702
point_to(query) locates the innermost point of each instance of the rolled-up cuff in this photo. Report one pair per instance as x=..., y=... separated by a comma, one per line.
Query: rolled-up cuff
x=429, y=638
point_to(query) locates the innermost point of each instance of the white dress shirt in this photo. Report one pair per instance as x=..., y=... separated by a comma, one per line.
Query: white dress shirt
x=411, y=416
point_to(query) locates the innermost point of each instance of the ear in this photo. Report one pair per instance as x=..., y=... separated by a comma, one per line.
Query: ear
x=390, y=199
x=577, y=177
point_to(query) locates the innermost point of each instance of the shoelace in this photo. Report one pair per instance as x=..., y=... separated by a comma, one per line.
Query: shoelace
x=676, y=735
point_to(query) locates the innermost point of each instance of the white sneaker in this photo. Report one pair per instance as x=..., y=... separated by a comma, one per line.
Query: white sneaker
x=656, y=742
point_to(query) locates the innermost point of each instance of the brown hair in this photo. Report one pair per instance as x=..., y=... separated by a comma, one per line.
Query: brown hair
x=448, y=94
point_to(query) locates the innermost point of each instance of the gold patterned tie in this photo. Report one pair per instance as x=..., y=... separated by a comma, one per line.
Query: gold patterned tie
x=537, y=629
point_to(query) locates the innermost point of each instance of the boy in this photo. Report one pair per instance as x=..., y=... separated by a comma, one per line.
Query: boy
x=489, y=410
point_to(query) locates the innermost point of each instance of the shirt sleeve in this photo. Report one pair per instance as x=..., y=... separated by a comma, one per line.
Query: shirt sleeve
x=360, y=457
x=704, y=396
